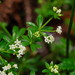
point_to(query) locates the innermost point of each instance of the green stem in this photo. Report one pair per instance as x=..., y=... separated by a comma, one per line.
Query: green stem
x=46, y=22
x=48, y=31
x=69, y=30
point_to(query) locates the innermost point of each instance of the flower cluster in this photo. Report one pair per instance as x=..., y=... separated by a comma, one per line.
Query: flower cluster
x=59, y=30
x=58, y=11
x=49, y=39
x=15, y=66
x=17, y=45
x=8, y=67
x=2, y=73
x=54, y=69
x=37, y=34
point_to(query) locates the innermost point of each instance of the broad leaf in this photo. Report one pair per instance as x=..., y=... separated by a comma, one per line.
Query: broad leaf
x=6, y=38
x=32, y=73
x=39, y=20
x=47, y=65
x=30, y=24
x=72, y=73
x=45, y=71
x=25, y=43
x=14, y=32
x=67, y=64
x=26, y=38
x=33, y=47
x=30, y=33
x=21, y=32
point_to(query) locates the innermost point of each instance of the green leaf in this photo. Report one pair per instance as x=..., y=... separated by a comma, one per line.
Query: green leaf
x=33, y=47
x=51, y=63
x=38, y=46
x=30, y=24
x=45, y=71
x=56, y=16
x=25, y=43
x=3, y=24
x=3, y=61
x=39, y=20
x=2, y=44
x=6, y=38
x=30, y=33
x=26, y=38
x=72, y=73
x=33, y=29
x=67, y=64
x=32, y=73
x=1, y=35
x=38, y=39
x=51, y=12
x=14, y=32
x=10, y=51
x=47, y=65
x=21, y=32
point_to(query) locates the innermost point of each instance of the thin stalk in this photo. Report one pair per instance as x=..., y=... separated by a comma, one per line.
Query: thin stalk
x=46, y=22
x=69, y=30
x=48, y=31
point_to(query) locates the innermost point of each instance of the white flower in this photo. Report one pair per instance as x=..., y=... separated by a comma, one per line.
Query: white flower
x=15, y=66
x=10, y=73
x=12, y=46
x=49, y=39
x=17, y=42
x=58, y=11
x=21, y=52
x=22, y=47
x=19, y=56
x=59, y=30
x=55, y=9
x=55, y=70
x=6, y=67
x=2, y=73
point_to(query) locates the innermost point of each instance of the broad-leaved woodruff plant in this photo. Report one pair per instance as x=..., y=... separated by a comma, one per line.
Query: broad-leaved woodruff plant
x=17, y=43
